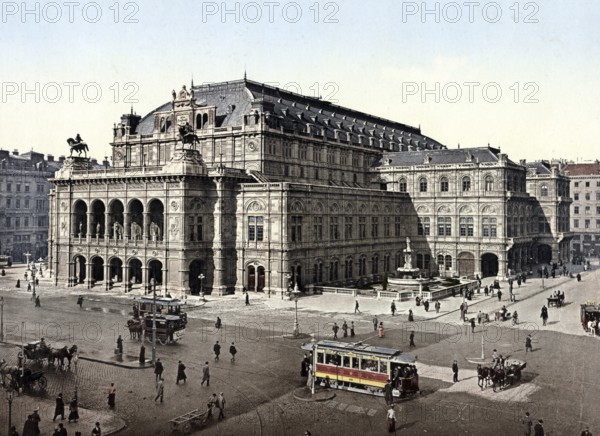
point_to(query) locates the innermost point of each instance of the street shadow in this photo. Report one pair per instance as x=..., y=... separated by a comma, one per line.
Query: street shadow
x=405, y=426
x=552, y=322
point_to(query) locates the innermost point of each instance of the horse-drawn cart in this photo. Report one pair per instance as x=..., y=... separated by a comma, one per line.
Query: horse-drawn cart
x=28, y=379
x=187, y=421
x=37, y=351
x=513, y=368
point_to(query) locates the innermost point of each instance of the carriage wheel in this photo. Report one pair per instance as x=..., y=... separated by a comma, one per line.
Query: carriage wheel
x=187, y=427
x=173, y=426
x=163, y=342
x=42, y=382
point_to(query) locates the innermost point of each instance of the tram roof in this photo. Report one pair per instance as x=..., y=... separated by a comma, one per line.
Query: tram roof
x=163, y=301
x=360, y=348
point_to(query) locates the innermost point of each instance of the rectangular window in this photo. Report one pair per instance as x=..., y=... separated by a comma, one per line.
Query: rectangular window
x=587, y=210
x=8, y=203
x=26, y=188
x=587, y=184
x=199, y=229
x=587, y=224
x=333, y=228
x=597, y=210
x=576, y=224
x=362, y=227
x=374, y=227
x=598, y=224
x=318, y=228
x=8, y=187
x=423, y=227
x=444, y=226
x=576, y=210
x=577, y=184
x=255, y=228
x=18, y=187
x=27, y=203
x=8, y=222
x=598, y=196
x=18, y=203
x=386, y=226
x=397, y=226
x=466, y=226
x=26, y=222
x=348, y=228
x=576, y=196
x=18, y=223
x=296, y=233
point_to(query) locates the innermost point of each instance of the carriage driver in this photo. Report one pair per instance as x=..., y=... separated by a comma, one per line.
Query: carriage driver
x=42, y=344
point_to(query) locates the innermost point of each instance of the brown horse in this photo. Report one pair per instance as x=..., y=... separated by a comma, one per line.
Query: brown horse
x=483, y=376
x=136, y=329
x=60, y=354
x=6, y=369
x=498, y=379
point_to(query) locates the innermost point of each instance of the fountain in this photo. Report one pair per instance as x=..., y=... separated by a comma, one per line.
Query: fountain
x=409, y=277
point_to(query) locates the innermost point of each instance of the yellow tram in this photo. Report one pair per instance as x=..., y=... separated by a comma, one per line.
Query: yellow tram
x=363, y=368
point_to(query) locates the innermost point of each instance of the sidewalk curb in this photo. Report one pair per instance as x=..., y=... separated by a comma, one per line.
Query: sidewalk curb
x=318, y=396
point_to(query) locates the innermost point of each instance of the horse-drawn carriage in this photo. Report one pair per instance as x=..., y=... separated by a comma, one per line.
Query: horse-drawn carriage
x=27, y=379
x=589, y=312
x=38, y=351
x=501, y=374
x=171, y=320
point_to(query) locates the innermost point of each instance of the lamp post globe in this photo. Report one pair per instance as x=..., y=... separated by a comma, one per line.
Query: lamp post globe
x=201, y=277
x=296, y=294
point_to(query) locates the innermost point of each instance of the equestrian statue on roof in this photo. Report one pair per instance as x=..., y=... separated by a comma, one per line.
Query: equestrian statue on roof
x=77, y=145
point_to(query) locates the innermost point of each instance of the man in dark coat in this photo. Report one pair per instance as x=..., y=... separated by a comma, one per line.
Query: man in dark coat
x=528, y=346
x=158, y=369
x=36, y=421
x=335, y=329
x=412, y=339
x=527, y=424
x=538, y=430
x=59, y=409
x=120, y=344
x=455, y=371
x=142, y=354
x=544, y=314
x=247, y=299
x=410, y=316
x=233, y=352
x=387, y=389
x=217, y=350
x=181, y=373
x=30, y=426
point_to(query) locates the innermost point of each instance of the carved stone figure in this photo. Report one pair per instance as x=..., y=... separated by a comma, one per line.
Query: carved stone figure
x=407, y=255
x=77, y=145
x=136, y=231
x=154, y=231
x=183, y=94
x=118, y=231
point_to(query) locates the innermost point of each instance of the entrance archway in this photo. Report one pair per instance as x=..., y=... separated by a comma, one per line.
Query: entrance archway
x=136, y=219
x=79, y=269
x=196, y=268
x=544, y=253
x=155, y=271
x=489, y=265
x=251, y=282
x=115, y=211
x=97, y=269
x=80, y=224
x=260, y=285
x=157, y=229
x=97, y=225
x=116, y=270
x=135, y=271
x=466, y=264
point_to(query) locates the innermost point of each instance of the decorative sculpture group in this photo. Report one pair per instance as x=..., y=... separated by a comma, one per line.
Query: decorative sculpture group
x=77, y=145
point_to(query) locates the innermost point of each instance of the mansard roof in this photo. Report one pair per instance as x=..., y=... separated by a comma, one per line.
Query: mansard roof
x=235, y=99
x=540, y=167
x=440, y=157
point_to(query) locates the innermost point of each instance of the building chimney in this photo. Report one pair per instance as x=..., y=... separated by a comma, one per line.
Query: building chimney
x=94, y=161
x=523, y=162
x=15, y=152
x=50, y=158
x=61, y=159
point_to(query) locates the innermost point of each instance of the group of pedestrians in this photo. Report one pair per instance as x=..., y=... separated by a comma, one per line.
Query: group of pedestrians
x=335, y=329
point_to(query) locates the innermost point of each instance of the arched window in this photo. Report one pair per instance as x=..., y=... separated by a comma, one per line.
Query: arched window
x=375, y=264
x=466, y=184
x=422, y=184
x=489, y=183
x=348, y=268
x=402, y=185
x=444, y=184
x=544, y=191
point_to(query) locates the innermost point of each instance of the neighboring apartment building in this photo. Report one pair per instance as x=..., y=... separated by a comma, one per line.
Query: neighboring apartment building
x=585, y=210
x=239, y=184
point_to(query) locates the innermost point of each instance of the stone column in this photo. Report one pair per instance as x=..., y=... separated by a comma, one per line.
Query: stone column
x=145, y=279
x=106, y=225
x=126, y=281
x=88, y=274
x=146, y=224
x=90, y=227
x=107, y=277
x=218, y=258
x=164, y=279
x=126, y=225
x=70, y=272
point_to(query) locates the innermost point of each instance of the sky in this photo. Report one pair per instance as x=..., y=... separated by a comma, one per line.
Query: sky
x=516, y=75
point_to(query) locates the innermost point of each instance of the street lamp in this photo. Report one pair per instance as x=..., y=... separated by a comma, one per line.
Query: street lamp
x=153, y=286
x=288, y=277
x=296, y=293
x=9, y=397
x=201, y=277
x=27, y=255
x=1, y=319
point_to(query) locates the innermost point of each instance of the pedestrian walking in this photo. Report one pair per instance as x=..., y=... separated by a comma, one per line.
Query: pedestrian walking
x=375, y=324
x=393, y=308
x=437, y=306
x=13, y=431
x=499, y=295
x=335, y=329
x=544, y=314
x=37, y=301
x=412, y=339
x=18, y=285
x=411, y=318
x=233, y=352
x=205, y=374
x=388, y=393
x=181, y=376
x=356, y=309
x=391, y=419
x=586, y=432
x=73, y=410
x=538, y=430
x=486, y=291
x=221, y=406
x=80, y=301
x=29, y=287
x=59, y=408
x=380, y=330
x=247, y=298
x=217, y=350
x=426, y=305
x=142, y=355
x=29, y=428
x=345, y=329
x=352, y=329
x=218, y=323
x=472, y=325
x=211, y=403
x=119, y=345
x=97, y=431
x=528, y=345
x=112, y=395
x=160, y=390
x=304, y=367
x=527, y=424
x=158, y=369
x=455, y=371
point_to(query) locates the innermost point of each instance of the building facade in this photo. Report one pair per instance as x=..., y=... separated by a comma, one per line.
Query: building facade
x=241, y=185
x=24, y=188
x=585, y=210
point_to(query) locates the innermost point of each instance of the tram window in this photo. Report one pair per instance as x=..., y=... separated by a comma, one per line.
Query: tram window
x=368, y=365
x=346, y=362
x=355, y=363
x=332, y=359
x=320, y=357
x=383, y=367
